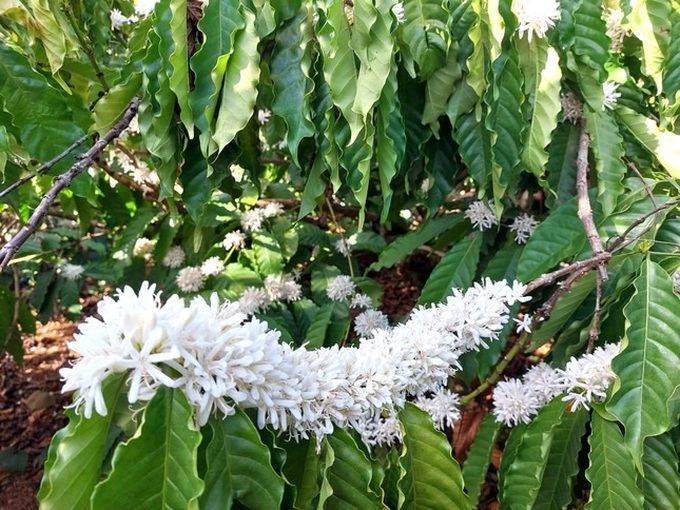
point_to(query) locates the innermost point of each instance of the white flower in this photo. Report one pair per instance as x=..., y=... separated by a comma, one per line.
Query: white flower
x=143, y=246
x=587, y=378
x=514, y=403
x=544, y=381
x=117, y=19
x=282, y=288
x=190, y=279
x=615, y=30
x=174, y=258
x=253, y=300
x=610, y=95
x=523, y=226
x=536, y=16
x=234, y=240
x=572, y=107
x=442, y=406
x=379, y=431
x=263, y=116
x=676, y=281
x=71, y=271
x=251, y=221
x=524, y=324
x=340, y=288
x=343, y=247
x=361, y=301
x=145, y=7
x=212, y=266
x=481, y=215
x=367, y=322
x=272, y=209
x=398, y=10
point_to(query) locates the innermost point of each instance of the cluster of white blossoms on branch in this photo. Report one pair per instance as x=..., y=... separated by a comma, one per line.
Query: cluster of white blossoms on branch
x=535, y=16
x=221, y=359
x=582, y=381
x=342, y=288
x=481, y=215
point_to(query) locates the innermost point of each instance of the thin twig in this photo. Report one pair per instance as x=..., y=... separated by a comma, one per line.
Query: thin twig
x=63, y=181
x=581, y=267
x=595, y=326
x=634, y=168
x=45, y=167
x=87, y=48
x=617, y=243
x=585, y=212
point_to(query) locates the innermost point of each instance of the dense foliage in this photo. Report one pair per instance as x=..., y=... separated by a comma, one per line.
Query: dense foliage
x=279, y=155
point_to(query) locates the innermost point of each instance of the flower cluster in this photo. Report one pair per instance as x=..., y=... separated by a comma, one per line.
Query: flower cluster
x=174, y=257
x=523, y=226
x=252, y=220
x=143, y=247
x=611, y=95
x=221, y=359
x=615, y=30
x=481, y=215
x=572, y=107
x=583, y=381
x=234, y=240
x=676, y=281
x=342, y=288
x=536, y=16
x=282, y=288
x=343, y=247
x=190, y=279
x=118, y=19
x=71, y=271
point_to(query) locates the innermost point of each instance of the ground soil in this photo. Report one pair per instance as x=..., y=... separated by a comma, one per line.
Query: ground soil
x=31, y=404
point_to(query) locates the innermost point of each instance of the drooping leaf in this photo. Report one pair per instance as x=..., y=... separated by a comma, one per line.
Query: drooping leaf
x=591, y=43
x=561, y=166
x=239, y=466
x=650, y=22
x=611, y=472
x=440, y=86
x=156, y=468
x=290, y=74
x=479, y=457
x=661, y=480
x=239, y=90
x=53, y=31
x=509, y=453
x=74, y=460
x=302, y=470
x=346, y=474
x=474, y=142
x=433, y=479
x=268, y=257
x=316, y=333
x=403, y=246
x=456, y=269
x=112, y=106
x=647, y=366
x=671, y=66
x=425, y=34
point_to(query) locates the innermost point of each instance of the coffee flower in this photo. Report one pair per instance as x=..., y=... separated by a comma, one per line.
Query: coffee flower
x=481, y=215
x=535, y=16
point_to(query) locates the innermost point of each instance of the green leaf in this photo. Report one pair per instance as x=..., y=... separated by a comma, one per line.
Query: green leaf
x=591, y=43
x=316, y=333
x=525, y=476
x=663, y=144
x=426, y=34
x=221, y=21
x=403, y=246
x=650, y=22
x=456, y=269
x=74, y=460
x=433, y=478
x=372, y=44
x=647, y=367
x=268, y=257
x=52, y=32
x=611, y=471
x=171, y=27
x=290, y=74
x=558, y=237
x=301, y=469
x=607, y=146
x=561, y=166
x=545, y=98
x=356, y=158
x=661, y=482
x=561, y=465
x=156, y=468
x=509, y=453
x=239, y=467
x=346, y=474
x=440, y=86
x=671, y=67
x=474, y=142
x=479, y=457
x=239, y=90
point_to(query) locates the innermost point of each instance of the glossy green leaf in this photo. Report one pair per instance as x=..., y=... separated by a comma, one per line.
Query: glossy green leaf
x=403, y=246
x=111, y=107
x=663, y=144
x=156, y=468
x=426, y=35
x=456, y=269
x=440, y=86
x=479, y=457
x=221, y=21
x=474, y=142
x=316, y=333
x=268, y=257
x=433, y=479
x=561, y=166
x=661, y=480
x=544, y=95
x=390, y=137
x=611, y=472
x=525, y=476
x=561, y=465
x=671, y=67
x=290, y=74
x=647, y=367
x=302, y=470
x=650, y=22
x=239, y=466
x=52, y=32
x=510, y=451
x=607, y=146
x=171, y=27
x=591, y=43
x=76, y=453
x=372, y=44
x=239, y=90
x=346, y=474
